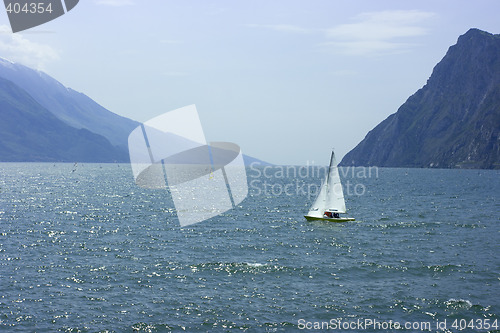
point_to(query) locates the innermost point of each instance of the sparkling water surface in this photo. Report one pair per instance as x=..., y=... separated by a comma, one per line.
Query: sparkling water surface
x=82, y=248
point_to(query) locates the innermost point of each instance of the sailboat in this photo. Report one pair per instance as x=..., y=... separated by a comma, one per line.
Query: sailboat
x=330, y=202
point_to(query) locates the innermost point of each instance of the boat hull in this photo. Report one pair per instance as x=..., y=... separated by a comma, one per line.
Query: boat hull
x=329, y=219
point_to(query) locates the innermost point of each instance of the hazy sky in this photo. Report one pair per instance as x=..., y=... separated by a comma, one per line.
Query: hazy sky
x=286, y=80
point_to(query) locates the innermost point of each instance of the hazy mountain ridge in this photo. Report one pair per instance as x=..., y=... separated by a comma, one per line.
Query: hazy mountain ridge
x=44, y=121
x=30, y=133
x=453, y=121
x=74, y=108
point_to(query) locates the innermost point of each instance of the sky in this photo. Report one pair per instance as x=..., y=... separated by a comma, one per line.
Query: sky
x=285, y=80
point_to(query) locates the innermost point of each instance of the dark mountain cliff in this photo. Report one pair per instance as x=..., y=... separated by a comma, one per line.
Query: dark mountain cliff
x=453, y=121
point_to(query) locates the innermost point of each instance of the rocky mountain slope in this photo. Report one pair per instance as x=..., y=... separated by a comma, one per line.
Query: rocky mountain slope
x=453, y=121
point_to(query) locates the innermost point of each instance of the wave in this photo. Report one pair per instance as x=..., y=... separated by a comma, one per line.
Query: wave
x=458, y=303
x=238, y=267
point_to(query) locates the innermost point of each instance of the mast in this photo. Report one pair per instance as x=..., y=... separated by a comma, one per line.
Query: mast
x=330, y=168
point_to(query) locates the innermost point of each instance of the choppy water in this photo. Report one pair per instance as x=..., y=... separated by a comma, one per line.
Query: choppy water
x=90, y=251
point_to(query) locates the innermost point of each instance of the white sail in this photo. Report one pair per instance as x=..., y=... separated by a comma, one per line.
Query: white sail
x=331, y=195
x=318, y=207
x=335, y=194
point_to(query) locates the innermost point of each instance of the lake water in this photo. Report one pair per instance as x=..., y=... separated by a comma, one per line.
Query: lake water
x=84, y=249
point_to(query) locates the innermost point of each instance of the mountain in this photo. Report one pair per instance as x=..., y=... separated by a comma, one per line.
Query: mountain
x=42, y=121
x=72, y=107
x=29, y=132
x=453, y=121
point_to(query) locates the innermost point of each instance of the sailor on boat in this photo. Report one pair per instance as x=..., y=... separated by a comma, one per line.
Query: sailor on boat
x=330, y=214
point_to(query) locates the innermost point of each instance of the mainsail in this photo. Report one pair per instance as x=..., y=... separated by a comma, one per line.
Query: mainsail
x=331, y=195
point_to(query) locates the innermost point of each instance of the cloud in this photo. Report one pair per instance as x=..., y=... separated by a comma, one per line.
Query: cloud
x=19, y=49
x=378, y=32
x=371, y=33
x=115, y=3
x=280, y=27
